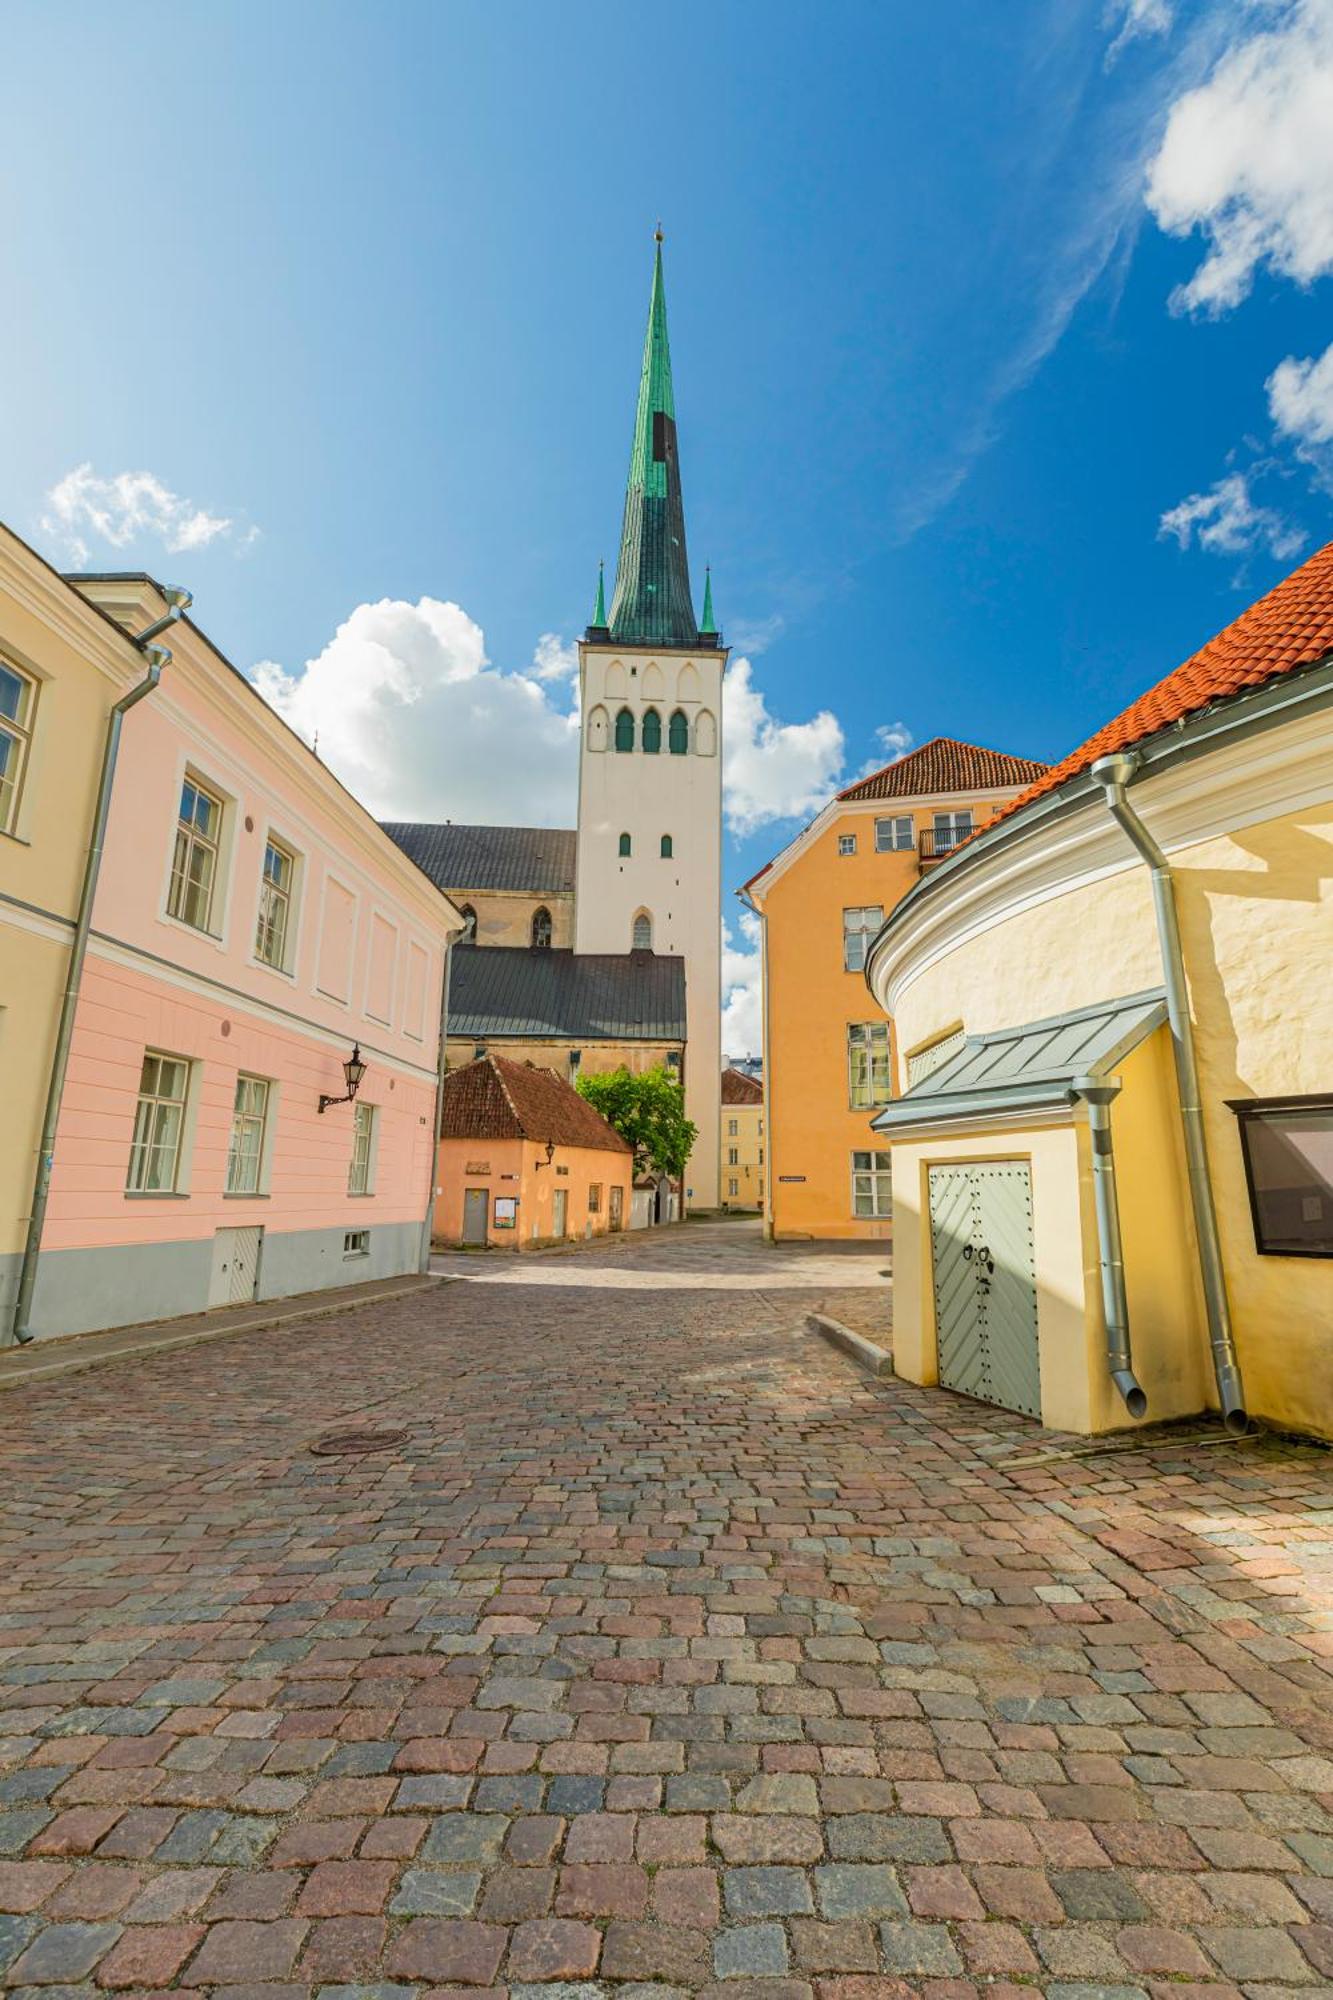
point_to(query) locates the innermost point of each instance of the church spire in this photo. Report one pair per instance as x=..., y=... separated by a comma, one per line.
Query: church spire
x=652, y=603
x=599, y=608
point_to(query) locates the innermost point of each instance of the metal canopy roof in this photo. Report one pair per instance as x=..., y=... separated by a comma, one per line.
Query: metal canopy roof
x=1040, y=1065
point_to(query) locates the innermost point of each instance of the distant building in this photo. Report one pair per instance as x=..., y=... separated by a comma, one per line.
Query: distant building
x=827, y=1050
x=742, y=1147
x=253, y=930
x=1113, y=1162
x=524, y=1161
x=602, y=947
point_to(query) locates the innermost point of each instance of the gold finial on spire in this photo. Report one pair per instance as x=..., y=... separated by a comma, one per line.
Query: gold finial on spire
x=657, y=233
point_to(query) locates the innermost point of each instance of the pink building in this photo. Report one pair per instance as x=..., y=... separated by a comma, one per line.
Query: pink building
x=252, y=927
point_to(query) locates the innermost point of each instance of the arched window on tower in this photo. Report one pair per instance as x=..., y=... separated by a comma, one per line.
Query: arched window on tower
x=598, y=728
x=625, y=844
x=641, y=938
x=541, y=929
x=468, y=934
x=652, y=731
x=678, y=733
x=705, y=733
x=667, y=849
x=625, y=729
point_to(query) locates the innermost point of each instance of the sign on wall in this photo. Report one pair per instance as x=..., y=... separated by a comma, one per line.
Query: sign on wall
x=505, y=1213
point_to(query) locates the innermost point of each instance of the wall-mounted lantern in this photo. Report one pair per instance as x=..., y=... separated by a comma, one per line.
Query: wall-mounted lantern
x=353, y=1070
x=550, y=1155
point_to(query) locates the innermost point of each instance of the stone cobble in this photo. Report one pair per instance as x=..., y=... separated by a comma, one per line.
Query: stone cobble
x=667, y=1655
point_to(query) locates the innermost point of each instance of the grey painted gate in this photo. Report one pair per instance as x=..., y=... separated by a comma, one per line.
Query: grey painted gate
x=235, y=1274
x=985, y=1289
x=476, y=1215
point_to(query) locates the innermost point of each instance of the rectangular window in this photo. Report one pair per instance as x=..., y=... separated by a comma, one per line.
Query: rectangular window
x=871, y=1190
x=733, y=1187
x=356, y=1243
x=733, y=1156
x=194, y=864
x=360, y=1171
x=249, y=1120
x=893, y=835
x=846, y=843
x=950, y=828
x=18, y=699
x=858, y=927
x=733, y=1127
x=275, y=905
x=159, y=1121
x=761, y=1156
x=868, y=1065
x=1287, y=1145
x=594, y=1197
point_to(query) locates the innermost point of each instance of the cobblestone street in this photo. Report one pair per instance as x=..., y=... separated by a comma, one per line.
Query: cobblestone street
x=664, y=1652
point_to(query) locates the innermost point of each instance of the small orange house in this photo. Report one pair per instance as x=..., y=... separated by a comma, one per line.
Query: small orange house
x=524, y=1161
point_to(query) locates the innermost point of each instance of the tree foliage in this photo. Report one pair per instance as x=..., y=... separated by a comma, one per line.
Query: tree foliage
x=649, y=1111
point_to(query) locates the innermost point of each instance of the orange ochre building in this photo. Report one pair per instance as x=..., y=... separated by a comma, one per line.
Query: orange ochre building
x=525, y=1161
x=828, y=1050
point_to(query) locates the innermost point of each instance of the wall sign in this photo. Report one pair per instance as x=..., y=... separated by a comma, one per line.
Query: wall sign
x=791, y=1177
x=477, y=1167
x=504, y=1214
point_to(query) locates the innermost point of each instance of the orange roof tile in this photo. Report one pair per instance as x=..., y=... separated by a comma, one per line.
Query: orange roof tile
x=737, y=1088
x=1289, y=628
x=494, y=1098
x=945, y=765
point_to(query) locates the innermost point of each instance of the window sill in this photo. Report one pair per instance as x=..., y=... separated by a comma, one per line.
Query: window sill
x=287, y=972
x=154, y=1194
x=241, y=1195
x=361, y=1194
x=193, y=930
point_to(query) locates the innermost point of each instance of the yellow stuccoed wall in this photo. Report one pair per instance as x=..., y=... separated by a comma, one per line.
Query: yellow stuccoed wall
x=1256, y=916
x=748, y=1142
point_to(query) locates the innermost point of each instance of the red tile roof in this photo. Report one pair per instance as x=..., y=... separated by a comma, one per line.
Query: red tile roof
x=945, y=765
x=737, y=1088
x=494, y=1098
x=1289, y=628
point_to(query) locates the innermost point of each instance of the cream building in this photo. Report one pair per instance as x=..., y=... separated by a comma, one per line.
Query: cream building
x=741, y=1148
x=625, y=916
x=1113, y=1165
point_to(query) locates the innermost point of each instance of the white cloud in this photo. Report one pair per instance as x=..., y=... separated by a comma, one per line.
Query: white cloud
x=554, y=658
x=1227, y=521
x=1138, y=18
x=412, y=717
x=894, y=739
x=773, y=770
x=1300, y=402
x=742, y=989
x=1247, y=157
x=83, y=509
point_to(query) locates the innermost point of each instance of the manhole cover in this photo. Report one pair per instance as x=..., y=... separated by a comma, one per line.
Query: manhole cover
x=349, y=1444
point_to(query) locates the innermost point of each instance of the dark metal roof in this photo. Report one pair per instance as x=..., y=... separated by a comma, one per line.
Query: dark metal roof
x=539, y=859
x=588, y=997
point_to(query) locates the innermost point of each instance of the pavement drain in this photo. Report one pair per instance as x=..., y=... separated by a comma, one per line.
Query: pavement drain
x=351, y=1443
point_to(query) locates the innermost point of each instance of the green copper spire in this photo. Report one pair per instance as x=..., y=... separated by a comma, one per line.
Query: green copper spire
x=599, y=609
x=652, y=603
x=708, y=622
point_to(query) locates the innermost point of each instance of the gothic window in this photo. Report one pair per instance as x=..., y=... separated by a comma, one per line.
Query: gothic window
x=687, y=687
x=468, y=934
x=625, y=730
x=598, y=728
x=541, y=929
x=625, y=844
x=667, y=849
x=705, y=733
x=652, y=687
x=642, y=937
x=678, y=733
x=652, y=731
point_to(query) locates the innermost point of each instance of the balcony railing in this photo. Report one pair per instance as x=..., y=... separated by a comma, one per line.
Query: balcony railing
x=933, y=844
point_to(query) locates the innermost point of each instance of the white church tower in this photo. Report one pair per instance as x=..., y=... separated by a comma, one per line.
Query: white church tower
x=649, y=871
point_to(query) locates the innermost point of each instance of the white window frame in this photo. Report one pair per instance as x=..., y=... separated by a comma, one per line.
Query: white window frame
x=253, y=1123
x=856, y=937
x=356, y=1243
x=644, y=919
x=733, y=1187
x=733, y=1156
x=900, y=836
x=365, y=1137
x=733, y=1127
x=151, y=1104
x=846, y=843
x=871, y=1183
x=18, y=731
x=951, y=828
x=868, y=1055
x=286, y=958
x=216, y=844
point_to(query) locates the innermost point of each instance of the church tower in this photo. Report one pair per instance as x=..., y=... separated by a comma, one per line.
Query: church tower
x=649, y=871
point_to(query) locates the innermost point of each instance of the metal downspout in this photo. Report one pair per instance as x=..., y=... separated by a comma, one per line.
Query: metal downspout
x=1114, y=774
x=440, y=1074
x=1115, y=1306
x=20, y=1331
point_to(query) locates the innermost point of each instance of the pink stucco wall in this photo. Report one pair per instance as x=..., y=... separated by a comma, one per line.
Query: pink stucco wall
x=367, y=965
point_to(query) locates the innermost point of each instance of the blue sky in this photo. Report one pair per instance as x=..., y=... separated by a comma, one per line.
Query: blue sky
x=367, y=287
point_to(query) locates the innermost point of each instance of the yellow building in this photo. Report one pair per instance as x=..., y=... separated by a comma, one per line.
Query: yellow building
x=827, y=1049
x=742, y=1142
x=1113, y=1168
x=64, y=666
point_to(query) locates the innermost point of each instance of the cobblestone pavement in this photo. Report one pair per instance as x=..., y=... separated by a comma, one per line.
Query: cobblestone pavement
x=665, y=1653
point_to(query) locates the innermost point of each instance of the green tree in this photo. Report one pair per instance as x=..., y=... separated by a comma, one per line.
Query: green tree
x=649, y=1111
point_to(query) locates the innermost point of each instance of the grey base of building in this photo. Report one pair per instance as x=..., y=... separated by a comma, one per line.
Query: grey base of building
x=89, y=1291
